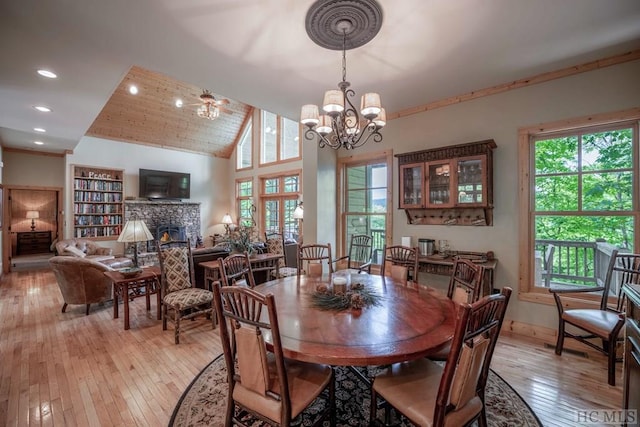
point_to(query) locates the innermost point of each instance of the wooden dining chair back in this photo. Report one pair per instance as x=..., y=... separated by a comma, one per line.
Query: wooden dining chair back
x=275, y=245
x=431, y=395
x=603, y=323
x=313, y=258
x=401, y=255
x=181, y=299
x=260, y=382
x=236, y=270
x=465, y=283
x=358, y=258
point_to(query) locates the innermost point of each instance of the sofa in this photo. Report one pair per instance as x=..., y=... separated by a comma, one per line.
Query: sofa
x=81, y=280
x=90, y=250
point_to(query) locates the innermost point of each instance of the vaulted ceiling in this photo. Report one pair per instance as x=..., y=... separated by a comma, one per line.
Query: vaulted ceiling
x=257, y=53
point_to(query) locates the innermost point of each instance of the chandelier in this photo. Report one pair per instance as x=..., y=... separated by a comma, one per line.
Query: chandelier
x=208, y=109
x=334, y=24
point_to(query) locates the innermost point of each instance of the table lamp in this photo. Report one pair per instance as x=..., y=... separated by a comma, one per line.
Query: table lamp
x=227, y=221
x=33, y=215
x=135, y=231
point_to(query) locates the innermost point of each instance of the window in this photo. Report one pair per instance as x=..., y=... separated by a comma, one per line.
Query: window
x=582, y=200
x=365, y=204
x=279, y=139
x=244, y=202
x=279, y=199
x=245, y=147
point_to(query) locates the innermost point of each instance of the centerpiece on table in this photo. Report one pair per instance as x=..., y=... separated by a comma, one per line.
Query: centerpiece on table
x=342, y=296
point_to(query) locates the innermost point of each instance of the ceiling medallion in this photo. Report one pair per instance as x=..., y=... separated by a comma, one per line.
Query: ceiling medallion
x=342, y=25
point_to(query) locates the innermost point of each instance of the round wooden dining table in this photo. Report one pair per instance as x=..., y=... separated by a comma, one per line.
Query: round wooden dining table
x=409, y=322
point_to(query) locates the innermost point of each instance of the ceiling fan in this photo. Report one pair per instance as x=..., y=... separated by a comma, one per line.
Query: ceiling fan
x=210, y=107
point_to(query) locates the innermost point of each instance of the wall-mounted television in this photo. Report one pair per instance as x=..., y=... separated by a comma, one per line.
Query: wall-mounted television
x=155, y=184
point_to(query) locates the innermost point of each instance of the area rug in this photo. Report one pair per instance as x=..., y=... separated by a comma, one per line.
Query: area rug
x=204, y=401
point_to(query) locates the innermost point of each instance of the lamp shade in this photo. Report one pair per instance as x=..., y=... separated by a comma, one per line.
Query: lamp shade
x=298, y=213
x=226, y=219
x=33, y=214
x=135, y=230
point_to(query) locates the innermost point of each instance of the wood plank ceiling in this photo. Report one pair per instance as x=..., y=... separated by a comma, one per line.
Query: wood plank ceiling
x=152, y=118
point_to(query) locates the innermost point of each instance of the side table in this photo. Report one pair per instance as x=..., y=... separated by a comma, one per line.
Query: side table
x=144, y=284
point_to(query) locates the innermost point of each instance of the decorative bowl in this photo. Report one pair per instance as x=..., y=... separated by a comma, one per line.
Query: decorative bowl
x=130, y=272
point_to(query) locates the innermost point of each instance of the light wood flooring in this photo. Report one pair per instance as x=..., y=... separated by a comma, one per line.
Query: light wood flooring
x=68, y=369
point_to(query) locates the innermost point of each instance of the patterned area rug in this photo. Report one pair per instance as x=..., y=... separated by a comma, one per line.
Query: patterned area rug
x=203, y=402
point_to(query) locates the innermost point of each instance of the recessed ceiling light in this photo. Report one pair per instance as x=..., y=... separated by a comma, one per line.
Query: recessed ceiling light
x=42, y=108
x=38, y=142
x=179, y=103
x=41, y=130
x=48, y=74
x=133, y=90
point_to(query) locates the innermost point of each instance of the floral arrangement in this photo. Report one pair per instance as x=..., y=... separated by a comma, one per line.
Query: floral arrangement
x=240, y=240
x=356, y=297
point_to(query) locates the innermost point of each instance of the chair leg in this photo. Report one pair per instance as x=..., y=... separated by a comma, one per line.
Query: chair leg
x=482, y=418
x=372, y=407
x=611, y=363
x=332, y=399
x=560, y=341
x=165, y=312
x=177, y=329
x=87, y=310
x=64, y=307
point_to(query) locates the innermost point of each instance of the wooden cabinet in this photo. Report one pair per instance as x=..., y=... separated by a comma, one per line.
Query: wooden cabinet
x=33, y=242
x=631, y=393
x=98, y=197
x=449, y=185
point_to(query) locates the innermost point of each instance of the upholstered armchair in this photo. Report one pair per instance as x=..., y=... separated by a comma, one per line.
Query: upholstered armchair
x=81, y=280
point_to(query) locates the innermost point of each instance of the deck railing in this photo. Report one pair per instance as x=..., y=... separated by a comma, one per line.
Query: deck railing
x=578, y=263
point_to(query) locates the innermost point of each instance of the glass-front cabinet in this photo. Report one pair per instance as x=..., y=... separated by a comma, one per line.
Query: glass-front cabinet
x=412, y=182
x=456, y=180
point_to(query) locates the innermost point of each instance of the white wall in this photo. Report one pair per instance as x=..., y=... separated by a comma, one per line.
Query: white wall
x=34, y=170
x=211, y=180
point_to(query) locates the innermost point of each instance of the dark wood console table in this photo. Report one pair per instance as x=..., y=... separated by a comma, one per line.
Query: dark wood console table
x=444, y=266
x=260, y=263
x=33, y=242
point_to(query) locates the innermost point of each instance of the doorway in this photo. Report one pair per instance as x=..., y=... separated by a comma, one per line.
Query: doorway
x=32, y=225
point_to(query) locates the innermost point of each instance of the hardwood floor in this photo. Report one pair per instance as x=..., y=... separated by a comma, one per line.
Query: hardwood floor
x=68, y=369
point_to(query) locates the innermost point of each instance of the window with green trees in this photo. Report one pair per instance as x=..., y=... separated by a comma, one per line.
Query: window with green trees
x=584, y=201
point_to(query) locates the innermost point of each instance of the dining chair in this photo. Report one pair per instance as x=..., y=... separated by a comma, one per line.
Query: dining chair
x=261, y=382
x=399, y=273
x=401, y=255
x=236, y=270
x=181, y=299
x=603, y=323
x=465, y=282
x=275, y=245
x=312, y=258
x=359, y=256
x=465, y=287
x=429, y=394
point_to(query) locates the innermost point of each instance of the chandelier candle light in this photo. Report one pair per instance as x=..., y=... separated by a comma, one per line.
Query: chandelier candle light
x=353, y=23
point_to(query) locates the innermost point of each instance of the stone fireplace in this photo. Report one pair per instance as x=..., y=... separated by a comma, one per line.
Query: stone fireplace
x=180, y=220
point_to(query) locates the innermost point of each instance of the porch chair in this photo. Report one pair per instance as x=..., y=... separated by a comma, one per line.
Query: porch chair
x=312, y=258
x=547, y=268
x=181, y=299
x=603, y=323
x=400, y=255
x=236, y=270
x=358, y=259
x=429, y=394
x=261, y=382
x=275, y=245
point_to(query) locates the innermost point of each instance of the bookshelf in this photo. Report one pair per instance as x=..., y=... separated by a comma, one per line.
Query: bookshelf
x=98, y=202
